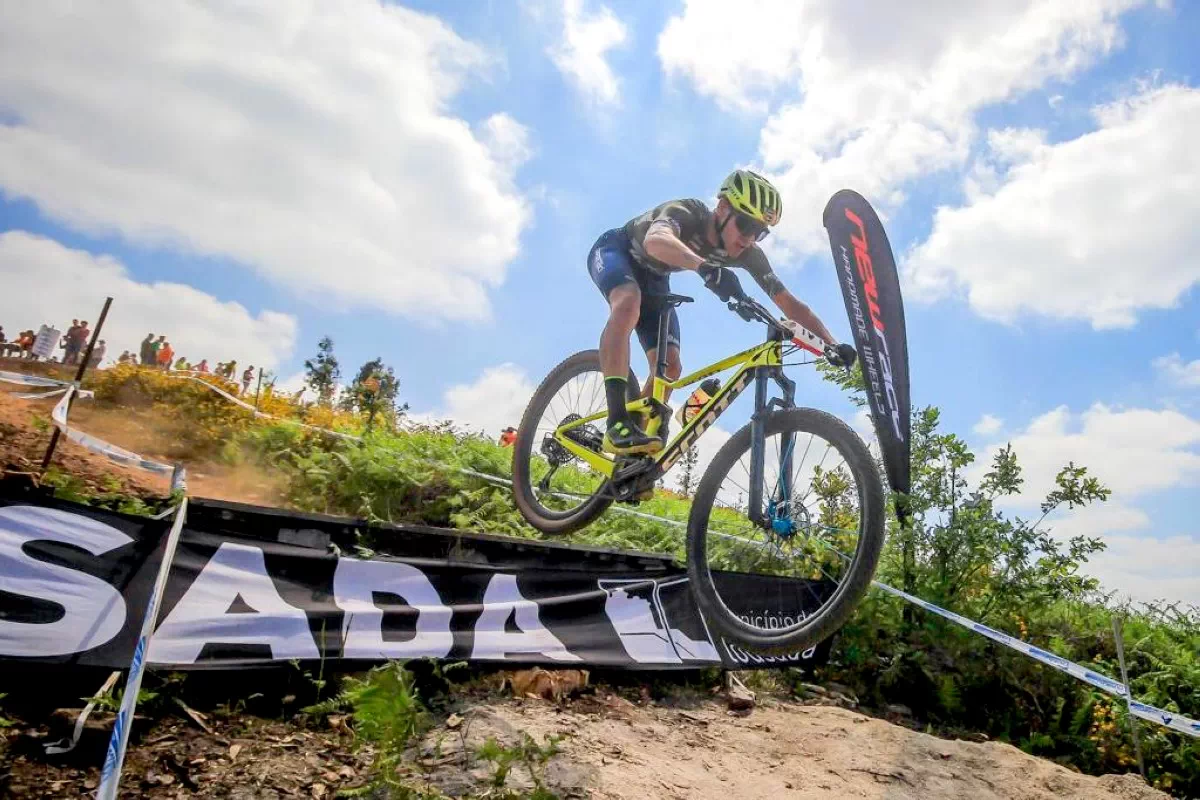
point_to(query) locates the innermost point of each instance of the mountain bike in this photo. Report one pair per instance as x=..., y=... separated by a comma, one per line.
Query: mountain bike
x=808, y=532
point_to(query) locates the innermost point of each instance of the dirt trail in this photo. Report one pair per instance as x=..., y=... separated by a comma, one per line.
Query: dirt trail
x=25, y=431
x=613, y=749
x=617, y=750
x=23, y=442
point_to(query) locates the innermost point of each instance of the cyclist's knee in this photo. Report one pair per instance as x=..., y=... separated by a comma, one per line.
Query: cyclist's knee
x=624, y=305
x=674, y=364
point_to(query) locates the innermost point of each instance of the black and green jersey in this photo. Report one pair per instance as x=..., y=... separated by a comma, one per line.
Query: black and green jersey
x=688, y=220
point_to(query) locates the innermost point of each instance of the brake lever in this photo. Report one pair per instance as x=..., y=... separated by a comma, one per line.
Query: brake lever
x=742, y=310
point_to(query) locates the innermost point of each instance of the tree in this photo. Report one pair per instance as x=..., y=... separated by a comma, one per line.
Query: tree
x=687, y=481
x=322, y=371
x=373, y=392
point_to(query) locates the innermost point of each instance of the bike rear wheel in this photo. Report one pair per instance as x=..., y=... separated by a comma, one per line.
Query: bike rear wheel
x=554, y=491
x=804, y=569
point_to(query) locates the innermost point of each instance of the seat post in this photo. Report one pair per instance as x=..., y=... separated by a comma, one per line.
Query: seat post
x=664, y=316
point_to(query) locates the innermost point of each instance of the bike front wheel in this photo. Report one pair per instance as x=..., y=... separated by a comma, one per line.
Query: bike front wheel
x=785, y=578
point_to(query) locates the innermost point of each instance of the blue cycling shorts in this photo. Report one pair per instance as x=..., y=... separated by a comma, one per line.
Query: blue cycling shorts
x=610, y=265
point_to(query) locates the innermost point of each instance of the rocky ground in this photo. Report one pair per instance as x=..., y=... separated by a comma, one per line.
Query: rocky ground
x=613, y=745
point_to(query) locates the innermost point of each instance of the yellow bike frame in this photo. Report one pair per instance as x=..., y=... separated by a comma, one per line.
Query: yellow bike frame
x=767, y=354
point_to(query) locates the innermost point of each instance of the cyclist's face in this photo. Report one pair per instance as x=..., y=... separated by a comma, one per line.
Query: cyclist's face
x=732, y=238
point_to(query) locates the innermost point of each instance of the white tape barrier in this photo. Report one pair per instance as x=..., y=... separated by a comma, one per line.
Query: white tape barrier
x=110, y=451
x=110, y=775
x=66, y=745
x=1115, y=688
x=82, y=393
x=22, y=379
x=256, y=412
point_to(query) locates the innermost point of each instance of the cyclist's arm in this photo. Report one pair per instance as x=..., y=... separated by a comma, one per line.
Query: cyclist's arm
x=755, y=262
x=797, y=311
x=663, y=244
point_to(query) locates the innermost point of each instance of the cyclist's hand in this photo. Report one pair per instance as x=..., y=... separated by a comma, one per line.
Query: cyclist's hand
x=843, y=355
x=722, y=282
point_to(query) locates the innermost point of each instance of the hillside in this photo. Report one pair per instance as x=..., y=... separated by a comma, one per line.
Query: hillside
x=659, y=738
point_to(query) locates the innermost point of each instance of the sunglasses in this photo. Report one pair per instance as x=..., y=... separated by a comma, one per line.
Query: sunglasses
x=750, y=227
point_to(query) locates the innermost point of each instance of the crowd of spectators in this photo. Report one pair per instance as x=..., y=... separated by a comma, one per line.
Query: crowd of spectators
x=155, y=352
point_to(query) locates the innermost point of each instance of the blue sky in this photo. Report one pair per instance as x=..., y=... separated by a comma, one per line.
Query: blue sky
x=422, y=182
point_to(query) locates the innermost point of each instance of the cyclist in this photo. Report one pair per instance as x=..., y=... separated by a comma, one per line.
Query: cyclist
x=633, y=263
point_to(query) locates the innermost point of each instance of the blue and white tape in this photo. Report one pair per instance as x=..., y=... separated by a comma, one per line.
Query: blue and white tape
x=1116, y=688
x=110, y=451
x=21, y=379
x=110, y=774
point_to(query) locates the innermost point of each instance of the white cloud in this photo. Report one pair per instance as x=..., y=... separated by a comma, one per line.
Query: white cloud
x=1096, y=228
x=580, y=55
x=988, y=425
x=887, y=95
x=1147, y=568
x=311, y=142
x=1135, y=564
x=1174, y=369
x=492, y=402
x=1131, y=451
x=45, y=282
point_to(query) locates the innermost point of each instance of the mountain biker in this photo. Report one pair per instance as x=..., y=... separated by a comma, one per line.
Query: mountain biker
x=633, y=263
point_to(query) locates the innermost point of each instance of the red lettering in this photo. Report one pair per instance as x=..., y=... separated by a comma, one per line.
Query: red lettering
x=862, y=232
x=866, y=270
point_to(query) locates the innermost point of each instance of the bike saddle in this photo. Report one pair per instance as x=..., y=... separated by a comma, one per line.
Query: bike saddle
x=673, y=299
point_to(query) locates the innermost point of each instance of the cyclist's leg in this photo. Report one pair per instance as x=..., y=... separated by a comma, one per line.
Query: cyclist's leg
x=647, y=331
x=611, y=269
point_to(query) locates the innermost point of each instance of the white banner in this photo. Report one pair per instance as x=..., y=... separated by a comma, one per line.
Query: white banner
x=45, y=342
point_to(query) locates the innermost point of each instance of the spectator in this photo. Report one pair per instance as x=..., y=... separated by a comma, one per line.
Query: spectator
x=182, y=364
x=230, y=369
x=508, y=436
x=125, y=358
x=98, y=354
x=156, y=348
x=26, y=340
x=165, y=354
x=7, y=347
x=69, y=343
x=202, y=367
x=76, y=346
x=147, y=351
x=247, y=376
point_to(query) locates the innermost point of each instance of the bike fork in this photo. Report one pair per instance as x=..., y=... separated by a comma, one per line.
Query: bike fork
x=758, y=445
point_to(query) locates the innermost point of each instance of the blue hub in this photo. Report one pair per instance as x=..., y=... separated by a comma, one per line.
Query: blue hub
x=781, y=524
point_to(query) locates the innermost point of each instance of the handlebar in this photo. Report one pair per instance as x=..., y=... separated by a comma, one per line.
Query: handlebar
x=751, y=310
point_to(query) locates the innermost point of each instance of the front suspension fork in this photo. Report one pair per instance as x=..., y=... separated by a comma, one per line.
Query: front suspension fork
x=758, y=422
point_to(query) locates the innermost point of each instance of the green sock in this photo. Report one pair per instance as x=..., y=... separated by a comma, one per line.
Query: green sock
x=614, y=390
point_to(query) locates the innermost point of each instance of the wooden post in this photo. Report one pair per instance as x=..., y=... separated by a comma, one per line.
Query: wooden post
x=1133, y=723
x=258, y=389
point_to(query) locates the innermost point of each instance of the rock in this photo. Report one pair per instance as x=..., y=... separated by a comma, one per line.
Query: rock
x=547, y=684
x=896, y=708
x=739, y=698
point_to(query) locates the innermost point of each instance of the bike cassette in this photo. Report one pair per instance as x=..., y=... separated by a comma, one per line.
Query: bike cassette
x=585, y=435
